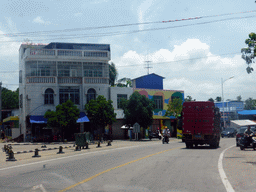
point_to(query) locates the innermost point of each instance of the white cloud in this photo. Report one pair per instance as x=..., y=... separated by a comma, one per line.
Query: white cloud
x=190, y=66
x=78, y=14
x=98, y=1
x=8, y=48
x=141, y=11
x=40, y=20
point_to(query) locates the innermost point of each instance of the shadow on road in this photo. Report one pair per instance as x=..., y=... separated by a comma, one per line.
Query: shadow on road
x=201, y=147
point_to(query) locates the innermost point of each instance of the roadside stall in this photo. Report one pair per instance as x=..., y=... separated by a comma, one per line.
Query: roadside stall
x=11, y=126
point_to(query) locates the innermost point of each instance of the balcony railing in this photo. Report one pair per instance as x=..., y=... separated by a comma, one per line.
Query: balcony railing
x=70, y=80
x=41, y=80
x=96, y=80
x=67, y=80
x=42, y=52
x=99, y=55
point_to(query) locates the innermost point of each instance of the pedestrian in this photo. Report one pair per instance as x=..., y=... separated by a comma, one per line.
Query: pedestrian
x=3, y=135
x=60, y=138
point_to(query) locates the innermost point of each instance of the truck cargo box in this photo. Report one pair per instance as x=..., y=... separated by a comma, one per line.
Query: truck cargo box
x=201, y=123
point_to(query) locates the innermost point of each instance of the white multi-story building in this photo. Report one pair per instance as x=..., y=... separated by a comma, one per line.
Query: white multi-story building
x=54, y=73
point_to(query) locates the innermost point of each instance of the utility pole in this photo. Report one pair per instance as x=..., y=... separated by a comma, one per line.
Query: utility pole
x=147, y=65
x=1, y=103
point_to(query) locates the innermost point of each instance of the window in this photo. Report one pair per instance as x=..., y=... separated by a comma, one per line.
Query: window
x=21, y=101
x=119, y=97
x=69, y=69
x=41, y=68
x=91, y=95
x=69, y=53
x=69, y=94
x=158, y=102
x=48, y=96
x=20, y=76
x=93, y=69
x=95, y=54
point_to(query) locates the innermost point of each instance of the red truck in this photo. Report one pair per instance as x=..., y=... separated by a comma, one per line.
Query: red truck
x=200, y=124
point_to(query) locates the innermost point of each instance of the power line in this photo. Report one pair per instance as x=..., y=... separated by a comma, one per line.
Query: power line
x=165, y=62
x=124, y=25
x=181, y=60
x=127, y=32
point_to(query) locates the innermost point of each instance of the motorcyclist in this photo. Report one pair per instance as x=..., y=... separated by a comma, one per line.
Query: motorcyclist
x=247, y=134
x=166, y=134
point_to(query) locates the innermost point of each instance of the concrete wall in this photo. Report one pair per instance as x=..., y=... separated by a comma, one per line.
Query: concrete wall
x=119, y=90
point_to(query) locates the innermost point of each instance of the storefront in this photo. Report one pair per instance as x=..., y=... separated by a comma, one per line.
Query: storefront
x=11, y=126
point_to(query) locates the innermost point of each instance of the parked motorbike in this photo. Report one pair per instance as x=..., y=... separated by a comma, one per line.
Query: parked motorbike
x=165, y=139
x=247, y=142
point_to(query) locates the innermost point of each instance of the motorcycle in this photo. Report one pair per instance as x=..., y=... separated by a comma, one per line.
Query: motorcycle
x=247, y=141
x=165, y=139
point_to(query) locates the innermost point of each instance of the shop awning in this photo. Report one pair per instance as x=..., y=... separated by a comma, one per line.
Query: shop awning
x=41, y=119
x=163, y=117
x=37, y=119
x=11, y=118
x=247, y=112
x=83, y=118
x=126, y=127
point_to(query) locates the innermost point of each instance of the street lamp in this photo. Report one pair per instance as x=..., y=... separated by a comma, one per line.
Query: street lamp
x=222, y=82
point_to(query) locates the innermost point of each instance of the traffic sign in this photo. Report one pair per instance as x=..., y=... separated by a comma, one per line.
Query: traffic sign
x=136, y=128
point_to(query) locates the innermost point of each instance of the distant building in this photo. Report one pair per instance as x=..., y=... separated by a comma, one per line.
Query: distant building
x=229, y=110
x=150, y=81
x=152, y=87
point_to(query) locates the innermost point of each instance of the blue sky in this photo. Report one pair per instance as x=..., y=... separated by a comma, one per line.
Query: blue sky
x=193, y=55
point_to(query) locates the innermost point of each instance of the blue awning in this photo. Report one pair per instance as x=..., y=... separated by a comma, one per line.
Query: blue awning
x=83, y=118
x=37, y=119
x=247, y=112
x=41, y=119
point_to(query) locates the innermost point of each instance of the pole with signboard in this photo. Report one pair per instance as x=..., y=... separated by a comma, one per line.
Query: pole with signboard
x=136, y=130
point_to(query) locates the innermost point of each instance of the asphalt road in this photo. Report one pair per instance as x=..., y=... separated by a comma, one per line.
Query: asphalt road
x=152, y=166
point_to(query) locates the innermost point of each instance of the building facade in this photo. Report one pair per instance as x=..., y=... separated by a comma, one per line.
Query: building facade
x=54, y=73
x=151, y=86
x=51, y=74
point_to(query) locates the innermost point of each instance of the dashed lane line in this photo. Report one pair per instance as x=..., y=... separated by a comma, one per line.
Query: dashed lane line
x=94, y=176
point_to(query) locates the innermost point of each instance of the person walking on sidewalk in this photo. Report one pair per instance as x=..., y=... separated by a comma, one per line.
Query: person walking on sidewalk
x=2, y=135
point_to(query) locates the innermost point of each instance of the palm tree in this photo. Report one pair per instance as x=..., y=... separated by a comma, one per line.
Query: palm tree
x=124, y=82
x=112, y=74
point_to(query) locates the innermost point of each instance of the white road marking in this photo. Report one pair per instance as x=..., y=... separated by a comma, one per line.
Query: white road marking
x=85, y=153
x=223, y=176
x=39, y=187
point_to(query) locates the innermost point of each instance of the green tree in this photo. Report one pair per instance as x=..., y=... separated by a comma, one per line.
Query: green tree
x=239, y=98
x=65, y=117
x=101, y=113
x=249, y=53
x=124, y=82
x=138, y=109
x=188, y=98
x=211, y=99
x=10, y=99
x=250, y=104
x=218, y=99
x=174, y=108
x=112, y=74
